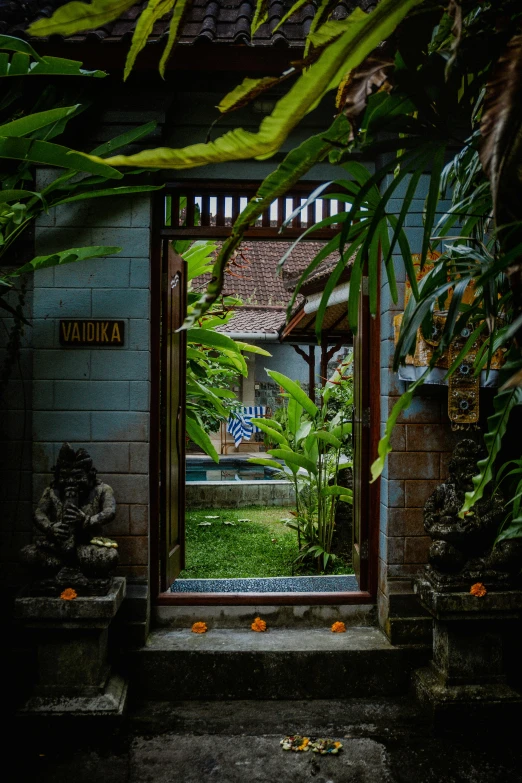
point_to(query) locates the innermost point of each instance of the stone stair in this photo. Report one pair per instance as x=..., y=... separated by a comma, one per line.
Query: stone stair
x=281, y=663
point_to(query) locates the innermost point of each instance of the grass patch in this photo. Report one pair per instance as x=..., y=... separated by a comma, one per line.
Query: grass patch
x=259, y=546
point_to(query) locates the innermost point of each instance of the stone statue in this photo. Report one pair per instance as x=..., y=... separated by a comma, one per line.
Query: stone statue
x=463, y=550
x=70, y=515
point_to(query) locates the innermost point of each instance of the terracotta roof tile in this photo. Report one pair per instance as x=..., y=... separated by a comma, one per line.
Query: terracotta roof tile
x=256, y=319
x=253, y=276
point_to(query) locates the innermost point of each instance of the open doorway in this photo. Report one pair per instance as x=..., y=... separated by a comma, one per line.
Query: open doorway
x=250, y=491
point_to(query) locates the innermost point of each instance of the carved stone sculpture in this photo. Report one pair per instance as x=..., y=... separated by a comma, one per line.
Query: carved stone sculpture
x=70, y=516
x=463, y=550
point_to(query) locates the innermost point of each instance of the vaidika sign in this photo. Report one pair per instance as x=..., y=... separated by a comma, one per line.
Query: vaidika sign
x=92, y=333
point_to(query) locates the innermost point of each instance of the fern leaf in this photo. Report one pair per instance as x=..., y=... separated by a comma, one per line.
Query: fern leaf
x=154, y=11
x=504, y=403
x=74, y=17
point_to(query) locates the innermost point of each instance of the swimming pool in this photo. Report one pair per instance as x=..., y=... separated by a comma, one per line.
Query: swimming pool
x=227, y=470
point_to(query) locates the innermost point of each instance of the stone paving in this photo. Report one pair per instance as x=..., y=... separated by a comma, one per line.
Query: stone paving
x=384, y=741
x=275, y=584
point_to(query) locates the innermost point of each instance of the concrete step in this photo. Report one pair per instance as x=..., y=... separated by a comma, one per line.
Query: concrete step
x=277, y=664
x=276, y=616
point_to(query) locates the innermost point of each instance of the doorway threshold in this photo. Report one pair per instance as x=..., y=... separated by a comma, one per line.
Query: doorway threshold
x=274, y=584
x=287, y=590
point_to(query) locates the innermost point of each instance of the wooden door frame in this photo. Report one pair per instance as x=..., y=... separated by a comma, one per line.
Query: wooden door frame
x=367, y=595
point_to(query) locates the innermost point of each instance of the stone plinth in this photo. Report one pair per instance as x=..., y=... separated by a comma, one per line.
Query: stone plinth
x=471, y=637
x=73, y=675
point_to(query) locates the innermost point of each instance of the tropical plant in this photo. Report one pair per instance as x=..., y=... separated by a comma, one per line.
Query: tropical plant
x=214, y=360
x=310, y=446
x=418, y=82
x=25, y=141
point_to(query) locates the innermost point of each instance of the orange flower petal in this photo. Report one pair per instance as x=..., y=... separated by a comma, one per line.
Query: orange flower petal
x=69, y=594
x=478, y=590
x=338, y=627
x=258, y=625
x=199, y=628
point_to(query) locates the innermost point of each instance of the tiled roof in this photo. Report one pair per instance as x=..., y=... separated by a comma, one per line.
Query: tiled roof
x=256, y=319
x=207, y=21
x=253, y=276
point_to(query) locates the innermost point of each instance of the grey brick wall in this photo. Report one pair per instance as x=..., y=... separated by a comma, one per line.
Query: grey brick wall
x=422, y=442
x=97, y=398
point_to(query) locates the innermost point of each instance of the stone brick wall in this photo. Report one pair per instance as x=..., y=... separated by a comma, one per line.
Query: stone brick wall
x=422, y=443
x=97, y=398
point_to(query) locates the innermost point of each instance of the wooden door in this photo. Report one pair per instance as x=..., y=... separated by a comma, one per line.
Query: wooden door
x=361, y=440
x=172, y=422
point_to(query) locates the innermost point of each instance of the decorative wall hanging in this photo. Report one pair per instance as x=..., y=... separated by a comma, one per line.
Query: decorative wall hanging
x=463, y=385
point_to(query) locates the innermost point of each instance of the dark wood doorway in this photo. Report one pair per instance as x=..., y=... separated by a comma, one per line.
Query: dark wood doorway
x=172, y=416
x=168, y=427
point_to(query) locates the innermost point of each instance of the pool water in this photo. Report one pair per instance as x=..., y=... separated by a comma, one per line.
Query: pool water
x=227, y=470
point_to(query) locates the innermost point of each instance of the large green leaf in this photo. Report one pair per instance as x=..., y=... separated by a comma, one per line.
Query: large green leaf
x=27, y=62
x=363, y=33
x=252, y=348
x=74, y=17
x=294, y=412
x=402, y=404
x=49, y=154
x=335, y=489
x=297, y=163
x=16, y=195
x=176, y=20
x=33, y=122
x=213, y=339
x=270, y=463
x=504, y=403
x=264, y=426
x=328, y=438
x=295, y=391
x=341, y=429
x=291, y=458
x=154, y=10
x=199, y=436
x=13, y=44
x=65, y=257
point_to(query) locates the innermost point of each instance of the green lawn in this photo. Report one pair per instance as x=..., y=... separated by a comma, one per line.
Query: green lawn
x=256, y=544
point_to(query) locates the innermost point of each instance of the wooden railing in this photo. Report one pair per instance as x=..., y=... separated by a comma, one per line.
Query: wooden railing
x=210, y=209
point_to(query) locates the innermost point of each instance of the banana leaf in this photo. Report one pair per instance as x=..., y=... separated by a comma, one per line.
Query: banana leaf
x=291, y=458
x=196, y=433
x=295, y=392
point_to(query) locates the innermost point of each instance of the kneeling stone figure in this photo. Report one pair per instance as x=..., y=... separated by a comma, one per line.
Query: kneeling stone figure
x=70, y=515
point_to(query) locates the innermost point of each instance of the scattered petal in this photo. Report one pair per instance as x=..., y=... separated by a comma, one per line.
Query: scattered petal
x=228, y=522
x=211, y=516
x=258, y=625
x=69, y=594
x=244, y=520
x=338, y=627
x=296, y=743
x=204, y=524
x=199, y=628
x=478, y=590
x=324, y=746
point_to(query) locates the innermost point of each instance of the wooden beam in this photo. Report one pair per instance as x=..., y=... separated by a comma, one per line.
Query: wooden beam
x=311, y=372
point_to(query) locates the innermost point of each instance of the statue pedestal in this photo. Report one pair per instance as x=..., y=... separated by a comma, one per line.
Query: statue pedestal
x=471, y=639
x=74, y=675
